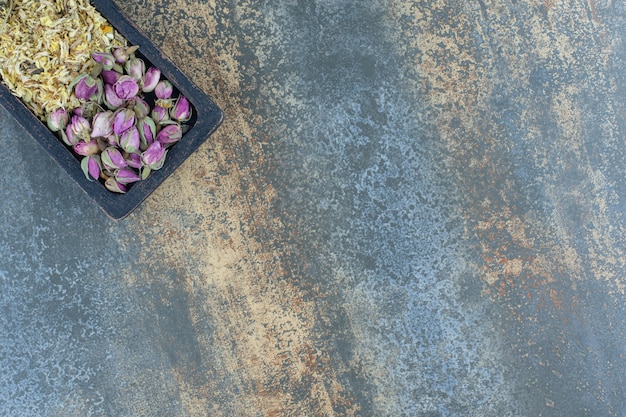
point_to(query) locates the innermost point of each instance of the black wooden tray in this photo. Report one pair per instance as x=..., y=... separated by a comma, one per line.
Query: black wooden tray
x=205, y=120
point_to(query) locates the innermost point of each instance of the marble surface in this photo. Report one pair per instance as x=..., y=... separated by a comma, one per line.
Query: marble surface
x=413, y=208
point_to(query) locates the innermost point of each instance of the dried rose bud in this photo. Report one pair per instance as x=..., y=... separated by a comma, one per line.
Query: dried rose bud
x=114, y=186
x=105, y=59
x=87, y=148
x=126, y=87
x=154, y=156
x=111, y=99
x=80, y=127
x=135, y=67
x=164, y=89
x=169, y=134
x=141, y=108
x=85, y=87
x=122, y=54
x=123, y=120
x=134, y=160
x=159, y=114
x=57, y=120
x=91, y=167
x=147, y=131
x=102, y=124
x=68, y=137
x=181, y=110
x=151, y=79
x=110, y=77
x=130, y=140
x=112, y=159
x=126, y=176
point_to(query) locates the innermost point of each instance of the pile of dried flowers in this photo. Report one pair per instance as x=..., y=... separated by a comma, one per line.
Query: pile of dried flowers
x=45, y=44
x=71, y=68
x=127, y=119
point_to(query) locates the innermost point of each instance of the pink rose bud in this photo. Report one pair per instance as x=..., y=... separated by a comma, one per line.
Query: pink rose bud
x=135, y=67
x=126, y=87
x=112, y=159
x=57, y=119
x=159, y=114
x=181, y=110
x=102, y=125
x=105, y=59
x=141, y=108
x=151, y=79
x=87, y=148
x=164, y=89
x=80, y=127
x=91, y=167
x=114, y=186
x=134, y=160
x=130, y=140
x=111, y=99
x=72, y=138
x=154, y=156
x=126, y=176
x=169, y=134
x=147, y=131
x=85, y=88
x=110, y=77
x=123, y=120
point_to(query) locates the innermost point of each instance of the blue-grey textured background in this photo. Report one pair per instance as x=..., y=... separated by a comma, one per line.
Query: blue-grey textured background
x=413, y=208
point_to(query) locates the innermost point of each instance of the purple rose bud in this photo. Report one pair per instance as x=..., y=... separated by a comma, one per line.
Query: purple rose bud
x=169, y=134
x=91, y=167
x=151, y=79
x=114, y=186
x=135, y=67
x=68, y=137
x=147, y=131
x=110, y=77
x=130, y=140
x=154, y=156
x=85, y=88
x=141, y=108
x=123, y=120
x=111, y=99
x=112, y=159
x=126, y=87
x=164, y=89
x=134, y=160
x=57, y=120
x=87, y=148
x=181, y=110
x=126, y=176
x=159, y=114
x=102, y=124
x=105, y=59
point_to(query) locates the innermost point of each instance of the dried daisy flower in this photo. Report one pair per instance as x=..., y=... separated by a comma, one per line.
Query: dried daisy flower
x=46, y=44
